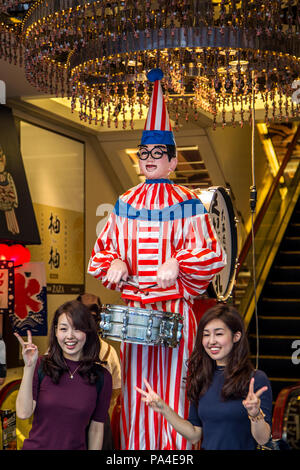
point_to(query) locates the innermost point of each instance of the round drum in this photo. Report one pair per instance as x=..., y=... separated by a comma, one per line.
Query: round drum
x=140, y=326
x=218, y=204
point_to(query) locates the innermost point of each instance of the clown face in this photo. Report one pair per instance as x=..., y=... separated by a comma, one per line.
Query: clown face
x=156, y=164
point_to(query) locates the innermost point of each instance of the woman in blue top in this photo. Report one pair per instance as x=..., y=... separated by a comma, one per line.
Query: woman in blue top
x=230, y=401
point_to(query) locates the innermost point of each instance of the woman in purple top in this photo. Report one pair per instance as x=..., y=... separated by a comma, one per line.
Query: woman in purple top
x=66, y=390
x=230, y=402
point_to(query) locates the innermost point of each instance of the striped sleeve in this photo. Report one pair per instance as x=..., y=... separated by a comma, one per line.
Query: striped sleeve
x=105, y=251
x=200, y=257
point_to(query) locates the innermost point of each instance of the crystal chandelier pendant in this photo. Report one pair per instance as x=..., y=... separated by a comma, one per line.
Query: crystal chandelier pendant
x=215, y=56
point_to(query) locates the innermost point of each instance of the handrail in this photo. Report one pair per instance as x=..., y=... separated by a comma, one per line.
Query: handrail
x=266, y=203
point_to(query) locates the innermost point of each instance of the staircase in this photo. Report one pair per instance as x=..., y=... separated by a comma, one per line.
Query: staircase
x=279, y=312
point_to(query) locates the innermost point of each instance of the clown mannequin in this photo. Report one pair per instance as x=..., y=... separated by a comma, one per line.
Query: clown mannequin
x=158, y=235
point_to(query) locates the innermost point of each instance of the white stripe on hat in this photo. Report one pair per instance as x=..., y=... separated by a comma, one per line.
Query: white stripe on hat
x=156, y=110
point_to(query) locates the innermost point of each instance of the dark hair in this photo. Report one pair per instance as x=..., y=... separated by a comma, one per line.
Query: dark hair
x=171, y=149
x=93, y=303
x=81, y=317
x=238, y=368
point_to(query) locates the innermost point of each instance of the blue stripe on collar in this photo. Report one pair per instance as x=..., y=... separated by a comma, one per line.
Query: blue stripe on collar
x=182, y=210
x=159, y=180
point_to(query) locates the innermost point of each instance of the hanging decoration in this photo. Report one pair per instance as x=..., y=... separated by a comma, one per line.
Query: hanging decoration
x=6, y=286
x=213, y=54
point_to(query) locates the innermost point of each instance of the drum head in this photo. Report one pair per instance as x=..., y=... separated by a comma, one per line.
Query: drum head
x=219, y=205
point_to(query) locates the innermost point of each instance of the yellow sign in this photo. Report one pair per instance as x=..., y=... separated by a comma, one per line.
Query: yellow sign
x=62, y=248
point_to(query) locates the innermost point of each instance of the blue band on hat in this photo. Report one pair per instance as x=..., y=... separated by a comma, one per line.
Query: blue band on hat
x=158, y=138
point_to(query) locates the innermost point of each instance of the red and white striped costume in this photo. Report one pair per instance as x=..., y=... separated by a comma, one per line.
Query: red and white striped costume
x=151, y=223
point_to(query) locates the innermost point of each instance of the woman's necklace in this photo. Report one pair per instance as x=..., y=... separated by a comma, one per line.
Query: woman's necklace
x=72, y=373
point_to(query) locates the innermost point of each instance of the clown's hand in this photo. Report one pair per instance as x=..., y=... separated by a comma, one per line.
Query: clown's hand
x=167, y=273
x=117, y=272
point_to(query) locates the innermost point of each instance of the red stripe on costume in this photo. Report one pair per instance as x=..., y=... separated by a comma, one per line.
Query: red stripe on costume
x=165, y=242
x=145, y=283
x=155, y=365
x=135, y=194
x=124, y=237
x=188, y=193
x=177, y=241
x=148, y=251
x=138, y=395
x=177, y=195
x=209, y=261
x=148, y=240
x=199, y=229
x=124, y=429
x=186, y=256
x=149, y=229
x=147, y=437
x=168, y=382
x=134, y=261
x=153, y=197
x=203, y=273
x=161, y=196
x=148, y=262
x=160, y=299
x=129, y=380
x=142, y=196
x=147, y=273
x=177, y=385
x=170, y=199
x=131, y=297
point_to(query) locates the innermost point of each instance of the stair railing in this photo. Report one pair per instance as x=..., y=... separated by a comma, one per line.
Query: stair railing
x=268, y=228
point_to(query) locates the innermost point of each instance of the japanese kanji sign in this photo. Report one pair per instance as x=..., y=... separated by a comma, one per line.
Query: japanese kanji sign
x=62, y=248
x=30, y=309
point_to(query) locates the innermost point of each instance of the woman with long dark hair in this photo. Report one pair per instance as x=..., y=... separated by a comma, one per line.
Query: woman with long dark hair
x=230, y=401
x=67, y=390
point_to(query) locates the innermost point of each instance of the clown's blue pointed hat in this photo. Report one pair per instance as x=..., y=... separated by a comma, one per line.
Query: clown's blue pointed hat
x=157, y=128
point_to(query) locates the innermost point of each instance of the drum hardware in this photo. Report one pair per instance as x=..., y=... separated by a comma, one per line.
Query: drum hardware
x=168, y=336
x=149, y=329
x=140, y=326
x=105, y=321
x=125, y=325
x=217, y=202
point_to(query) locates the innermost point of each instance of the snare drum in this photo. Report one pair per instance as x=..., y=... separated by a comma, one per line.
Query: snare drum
x=218, y=204
x=140, y=326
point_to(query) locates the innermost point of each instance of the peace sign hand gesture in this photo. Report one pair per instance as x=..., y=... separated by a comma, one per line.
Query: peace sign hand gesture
x=252, y=401
x=30, y=351
x=151, y=398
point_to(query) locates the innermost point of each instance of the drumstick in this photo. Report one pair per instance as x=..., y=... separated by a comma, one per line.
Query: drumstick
x=135, y=285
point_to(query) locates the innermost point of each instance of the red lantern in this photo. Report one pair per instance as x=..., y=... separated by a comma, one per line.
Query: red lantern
x=4, y=252
x=19, y=254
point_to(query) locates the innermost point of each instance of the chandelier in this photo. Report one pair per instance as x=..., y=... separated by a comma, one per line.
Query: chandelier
x=217, y=56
